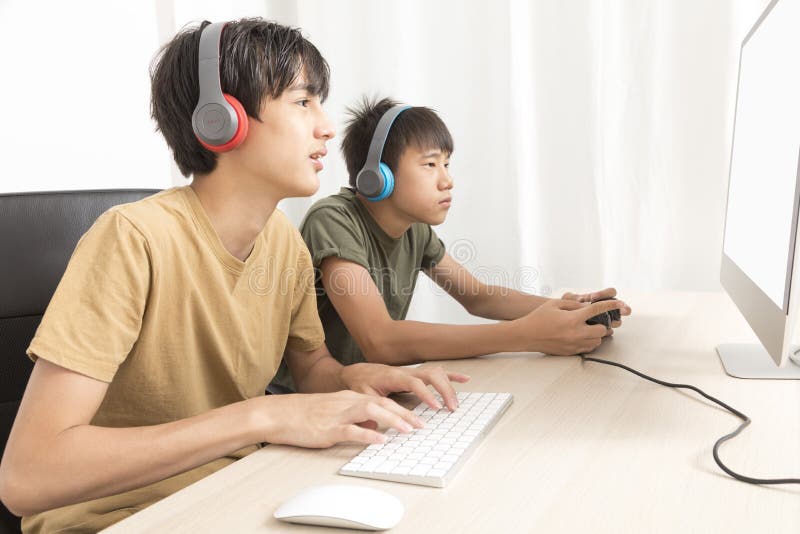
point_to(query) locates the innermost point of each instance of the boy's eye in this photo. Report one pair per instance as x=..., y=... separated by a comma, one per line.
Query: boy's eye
x=430, y=164
x=447, y=165
x=304, y=102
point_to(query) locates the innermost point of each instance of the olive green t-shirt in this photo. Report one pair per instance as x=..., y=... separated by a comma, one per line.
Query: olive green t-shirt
x=340, y=225
x=152, y=303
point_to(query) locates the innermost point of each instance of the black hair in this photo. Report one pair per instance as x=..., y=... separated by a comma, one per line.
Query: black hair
x=258, y=59
x=420, y=127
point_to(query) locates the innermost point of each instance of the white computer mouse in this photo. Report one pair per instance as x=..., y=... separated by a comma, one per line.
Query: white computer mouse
x=339, y=505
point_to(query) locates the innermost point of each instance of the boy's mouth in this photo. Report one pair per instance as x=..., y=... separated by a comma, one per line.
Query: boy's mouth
x=316, y=158
x=446, y=201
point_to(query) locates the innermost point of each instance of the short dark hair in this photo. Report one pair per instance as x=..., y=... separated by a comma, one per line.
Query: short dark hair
x=258, y=58
x=418, y=126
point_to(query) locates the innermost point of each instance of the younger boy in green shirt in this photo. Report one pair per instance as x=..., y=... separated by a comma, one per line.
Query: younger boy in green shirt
x=368, y=253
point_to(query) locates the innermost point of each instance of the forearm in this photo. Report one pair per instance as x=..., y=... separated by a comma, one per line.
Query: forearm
x=322, y=377
x=504, y=304
x=86, y=462
x=407, y=342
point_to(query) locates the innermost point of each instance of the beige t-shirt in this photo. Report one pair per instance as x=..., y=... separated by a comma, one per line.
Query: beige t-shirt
x=153, y=303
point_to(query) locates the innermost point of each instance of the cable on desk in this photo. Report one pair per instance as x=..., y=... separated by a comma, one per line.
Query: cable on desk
x=745, y=421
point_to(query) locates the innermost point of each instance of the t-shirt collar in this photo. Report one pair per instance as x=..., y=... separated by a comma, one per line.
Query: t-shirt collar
x=212, y=238
x=384, y=238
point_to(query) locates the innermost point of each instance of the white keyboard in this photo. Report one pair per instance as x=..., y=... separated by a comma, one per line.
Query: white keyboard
x=431, y=456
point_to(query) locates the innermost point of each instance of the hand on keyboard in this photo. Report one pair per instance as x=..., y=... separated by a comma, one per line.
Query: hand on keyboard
x=324, y=419
x=383, y=380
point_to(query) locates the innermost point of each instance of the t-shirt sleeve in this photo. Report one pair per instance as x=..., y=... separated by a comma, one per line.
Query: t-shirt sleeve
x=95, y=315
x=305, y=330
x=432, y=248
x=331, y=232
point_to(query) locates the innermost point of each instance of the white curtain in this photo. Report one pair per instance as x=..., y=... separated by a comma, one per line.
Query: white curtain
x=591, y=137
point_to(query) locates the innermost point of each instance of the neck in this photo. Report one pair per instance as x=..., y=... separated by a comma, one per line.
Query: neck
x=237, y=208
x=390, y=220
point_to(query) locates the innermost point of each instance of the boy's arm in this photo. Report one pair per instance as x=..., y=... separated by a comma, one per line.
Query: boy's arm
x=55, y=457
x=557, y=327
x=317, y=371
x=479, y=299
x=498, y=302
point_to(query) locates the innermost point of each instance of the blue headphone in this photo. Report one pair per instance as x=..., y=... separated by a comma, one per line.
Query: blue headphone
x=375, y=179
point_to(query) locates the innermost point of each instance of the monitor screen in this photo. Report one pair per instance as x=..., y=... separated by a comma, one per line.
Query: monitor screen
x=759, y=236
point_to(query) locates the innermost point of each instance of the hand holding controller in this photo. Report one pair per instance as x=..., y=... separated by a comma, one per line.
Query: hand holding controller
x=605, y=318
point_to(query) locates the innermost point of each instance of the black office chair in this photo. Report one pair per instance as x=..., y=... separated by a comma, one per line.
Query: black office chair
x=38, y=232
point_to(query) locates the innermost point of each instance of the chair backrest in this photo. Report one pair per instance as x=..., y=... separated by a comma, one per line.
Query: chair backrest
x=38, y=232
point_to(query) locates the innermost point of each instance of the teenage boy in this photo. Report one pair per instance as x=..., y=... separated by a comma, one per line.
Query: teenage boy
x=175, y=311
x=369, y=252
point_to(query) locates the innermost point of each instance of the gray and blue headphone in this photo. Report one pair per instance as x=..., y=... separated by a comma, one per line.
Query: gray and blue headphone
x=375, y=179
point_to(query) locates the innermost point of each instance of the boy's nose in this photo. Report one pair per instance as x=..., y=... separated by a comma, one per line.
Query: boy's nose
x=446, y=182
x=325, y=129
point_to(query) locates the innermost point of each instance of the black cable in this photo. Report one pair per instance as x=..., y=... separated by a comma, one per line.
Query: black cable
x=745, y=421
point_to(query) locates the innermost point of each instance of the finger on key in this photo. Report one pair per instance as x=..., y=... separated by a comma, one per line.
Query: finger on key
x=438, y=379
x=409, y=416
x=363, y=435
x=416, y=385
x=374, y=411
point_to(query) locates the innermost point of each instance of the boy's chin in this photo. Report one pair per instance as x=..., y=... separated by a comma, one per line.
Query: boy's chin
x=306, y=187
x=435, y=219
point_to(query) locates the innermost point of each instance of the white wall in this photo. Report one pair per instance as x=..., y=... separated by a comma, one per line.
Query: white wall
x=591, y=137
x=76, y=91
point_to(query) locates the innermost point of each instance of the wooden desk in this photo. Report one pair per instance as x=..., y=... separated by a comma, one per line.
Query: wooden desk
x=584, y=447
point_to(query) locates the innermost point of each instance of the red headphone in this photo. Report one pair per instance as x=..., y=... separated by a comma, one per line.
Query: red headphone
x=219, y=120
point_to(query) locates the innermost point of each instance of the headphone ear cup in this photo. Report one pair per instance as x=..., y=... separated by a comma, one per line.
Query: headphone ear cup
x=242, y=127
x=388, y=182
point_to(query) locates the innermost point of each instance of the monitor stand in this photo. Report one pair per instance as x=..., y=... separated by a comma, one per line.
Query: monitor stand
x=751, y=360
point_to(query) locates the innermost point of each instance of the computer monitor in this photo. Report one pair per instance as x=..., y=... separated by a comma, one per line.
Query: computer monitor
x=764, y=182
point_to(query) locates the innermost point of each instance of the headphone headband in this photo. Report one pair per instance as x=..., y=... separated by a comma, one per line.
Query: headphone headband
x=370, y=180
x=208, y=63
x=380, y=135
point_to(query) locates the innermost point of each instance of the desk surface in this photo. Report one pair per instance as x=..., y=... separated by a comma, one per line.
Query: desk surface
x=584, y=447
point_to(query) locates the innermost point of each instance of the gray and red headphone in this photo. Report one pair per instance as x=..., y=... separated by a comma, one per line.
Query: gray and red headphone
x=219, y=120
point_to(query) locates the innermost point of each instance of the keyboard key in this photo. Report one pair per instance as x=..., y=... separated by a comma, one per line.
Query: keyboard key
x=386, y=467
x=420, y=470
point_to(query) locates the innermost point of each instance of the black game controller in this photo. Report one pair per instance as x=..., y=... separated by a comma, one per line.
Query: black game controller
x=605, y=318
